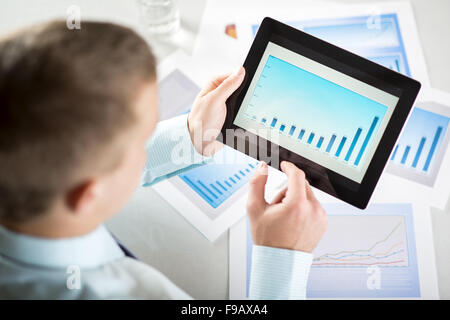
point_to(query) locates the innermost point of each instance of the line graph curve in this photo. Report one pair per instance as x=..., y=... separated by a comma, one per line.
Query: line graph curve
x=388, y=250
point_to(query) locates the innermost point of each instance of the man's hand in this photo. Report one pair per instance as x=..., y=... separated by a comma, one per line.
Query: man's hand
x=209, y=110
x=293, y=220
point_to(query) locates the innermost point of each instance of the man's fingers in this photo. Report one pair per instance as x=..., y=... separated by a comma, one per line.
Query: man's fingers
x=214, y=83
x=256, y=203
x=230, y=84
x=212, y=148
x=296, y=182
x=309, y=192
x=279, y=197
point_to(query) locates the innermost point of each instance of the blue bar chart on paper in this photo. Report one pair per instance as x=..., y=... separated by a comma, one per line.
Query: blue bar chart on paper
x=421, y=142
x=216, y=182
x=376, y=38
x=226, y=173
x=315, y=112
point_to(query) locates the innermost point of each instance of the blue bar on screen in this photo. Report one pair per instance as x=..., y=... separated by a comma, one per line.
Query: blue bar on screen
x=330, y=144
x=282, y=127
x=341, y=145
x=291, y=132
x=274, y=122
x=311, y=137
x=300, y=135
x=319, y=144
x=352, y=146
x=366, y=140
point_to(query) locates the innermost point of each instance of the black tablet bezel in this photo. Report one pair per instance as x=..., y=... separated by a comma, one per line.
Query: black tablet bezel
x=346, y=62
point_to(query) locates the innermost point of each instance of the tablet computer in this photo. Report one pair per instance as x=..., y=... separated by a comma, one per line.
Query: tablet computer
x=334, y=114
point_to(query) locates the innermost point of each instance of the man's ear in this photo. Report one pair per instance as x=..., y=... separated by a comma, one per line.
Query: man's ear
x=81, y=198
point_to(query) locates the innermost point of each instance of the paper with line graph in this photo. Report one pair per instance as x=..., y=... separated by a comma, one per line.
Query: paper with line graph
x=358, y=247
x=364, y=245
x=364, y=254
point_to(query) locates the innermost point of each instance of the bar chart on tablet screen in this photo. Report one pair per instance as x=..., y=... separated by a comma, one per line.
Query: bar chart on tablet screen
x=319, y=114
x=419, y=152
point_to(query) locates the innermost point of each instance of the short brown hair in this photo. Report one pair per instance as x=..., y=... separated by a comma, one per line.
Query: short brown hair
x=65, y=95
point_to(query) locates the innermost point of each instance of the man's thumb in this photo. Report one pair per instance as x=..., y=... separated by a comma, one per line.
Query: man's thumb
x=230, y=84
x=256, y=202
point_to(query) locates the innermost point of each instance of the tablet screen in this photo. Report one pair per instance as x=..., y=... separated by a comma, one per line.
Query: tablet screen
x=315, y=111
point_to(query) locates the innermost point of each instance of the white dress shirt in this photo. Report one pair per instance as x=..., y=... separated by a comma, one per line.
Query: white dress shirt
x=94, y=267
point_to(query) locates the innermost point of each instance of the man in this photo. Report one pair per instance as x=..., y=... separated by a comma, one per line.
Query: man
x=77, y=109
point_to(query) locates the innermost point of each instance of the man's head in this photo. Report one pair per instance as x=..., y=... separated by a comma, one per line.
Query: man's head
x=76, y=107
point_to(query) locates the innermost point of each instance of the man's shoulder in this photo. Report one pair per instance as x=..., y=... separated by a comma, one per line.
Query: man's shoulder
x=122, y=278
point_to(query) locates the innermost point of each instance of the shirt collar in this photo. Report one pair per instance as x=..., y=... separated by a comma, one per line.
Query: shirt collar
x=90, y=250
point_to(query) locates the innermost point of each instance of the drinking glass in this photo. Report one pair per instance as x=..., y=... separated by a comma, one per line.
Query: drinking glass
x=159, y=16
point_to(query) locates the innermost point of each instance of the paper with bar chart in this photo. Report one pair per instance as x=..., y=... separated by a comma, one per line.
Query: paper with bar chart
x=211, y=195
x=211, y=186
x=419, y=164
x=319, y=113
x=420, y=150
x=378, y=38
x=227, y=172
x=215, y=183
x=363, y=255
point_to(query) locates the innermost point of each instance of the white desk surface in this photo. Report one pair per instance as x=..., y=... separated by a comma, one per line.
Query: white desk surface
x=148, y=225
